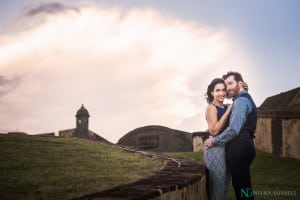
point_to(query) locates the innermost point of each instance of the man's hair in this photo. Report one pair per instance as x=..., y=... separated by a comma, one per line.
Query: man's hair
x=237, y=76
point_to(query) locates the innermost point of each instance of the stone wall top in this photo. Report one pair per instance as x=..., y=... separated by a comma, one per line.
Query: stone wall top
x=278, y=114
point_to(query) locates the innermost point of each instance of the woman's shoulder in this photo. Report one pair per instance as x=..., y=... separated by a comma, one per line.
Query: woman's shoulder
x=211, y=107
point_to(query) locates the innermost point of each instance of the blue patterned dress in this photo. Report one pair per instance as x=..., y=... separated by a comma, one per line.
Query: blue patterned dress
x=215, y=160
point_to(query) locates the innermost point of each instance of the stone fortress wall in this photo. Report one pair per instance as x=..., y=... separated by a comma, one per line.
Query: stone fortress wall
x=158, y=139
x=278, y=124
x=278, y=133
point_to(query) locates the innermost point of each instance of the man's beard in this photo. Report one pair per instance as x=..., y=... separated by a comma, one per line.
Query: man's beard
x=233, y=92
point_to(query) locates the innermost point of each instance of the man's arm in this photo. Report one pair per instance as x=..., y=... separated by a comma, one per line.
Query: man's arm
x=241, y=108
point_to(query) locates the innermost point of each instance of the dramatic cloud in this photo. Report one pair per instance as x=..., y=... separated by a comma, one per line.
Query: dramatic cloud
x=8, y=84
x=130, y=68
x=50, y=8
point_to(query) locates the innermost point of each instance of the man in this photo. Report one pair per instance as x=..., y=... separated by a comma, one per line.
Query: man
x=238, y=136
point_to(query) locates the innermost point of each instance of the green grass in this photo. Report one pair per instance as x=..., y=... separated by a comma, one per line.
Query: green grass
x=272, y=177
x=34, y=167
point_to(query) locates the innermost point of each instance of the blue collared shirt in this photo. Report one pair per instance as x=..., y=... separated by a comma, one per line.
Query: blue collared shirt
x=240, y=109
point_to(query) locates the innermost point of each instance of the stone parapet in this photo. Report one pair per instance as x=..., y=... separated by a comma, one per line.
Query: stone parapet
x=180, y=179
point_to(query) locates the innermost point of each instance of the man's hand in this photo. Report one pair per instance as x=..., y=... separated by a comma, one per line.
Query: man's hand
x=208, y=142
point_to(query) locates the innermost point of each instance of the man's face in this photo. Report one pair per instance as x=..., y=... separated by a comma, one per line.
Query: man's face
x=232, y=86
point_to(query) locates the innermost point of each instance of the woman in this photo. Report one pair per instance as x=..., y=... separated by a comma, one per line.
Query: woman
x=217, y=116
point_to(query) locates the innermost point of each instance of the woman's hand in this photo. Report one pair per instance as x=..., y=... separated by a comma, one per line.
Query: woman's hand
x=229, y=107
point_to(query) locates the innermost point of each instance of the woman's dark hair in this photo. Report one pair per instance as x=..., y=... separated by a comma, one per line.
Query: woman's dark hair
x=211, y=87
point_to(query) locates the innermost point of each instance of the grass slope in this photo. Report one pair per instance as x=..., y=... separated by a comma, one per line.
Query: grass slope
x=34, y=167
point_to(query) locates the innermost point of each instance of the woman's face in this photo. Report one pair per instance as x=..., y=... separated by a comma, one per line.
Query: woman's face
x=219, y=92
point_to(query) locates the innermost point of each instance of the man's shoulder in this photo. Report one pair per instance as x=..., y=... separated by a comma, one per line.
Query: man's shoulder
x=244, y=95
x=244, y=99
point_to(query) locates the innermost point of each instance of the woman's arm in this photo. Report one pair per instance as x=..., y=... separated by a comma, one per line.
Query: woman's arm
x=214, y=126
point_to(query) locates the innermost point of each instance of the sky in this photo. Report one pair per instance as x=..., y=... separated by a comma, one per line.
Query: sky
x=136, y=63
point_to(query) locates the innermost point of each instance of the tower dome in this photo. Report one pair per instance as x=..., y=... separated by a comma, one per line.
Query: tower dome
x=82, y=112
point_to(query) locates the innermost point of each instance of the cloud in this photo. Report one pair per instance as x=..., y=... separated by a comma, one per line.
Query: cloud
x=8, y=84
x=130, y=68
x=50, y=8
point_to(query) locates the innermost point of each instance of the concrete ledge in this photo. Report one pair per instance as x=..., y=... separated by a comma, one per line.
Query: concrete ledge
x=181, y=179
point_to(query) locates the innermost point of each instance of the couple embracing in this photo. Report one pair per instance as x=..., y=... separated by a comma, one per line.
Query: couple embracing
x=229, y=151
